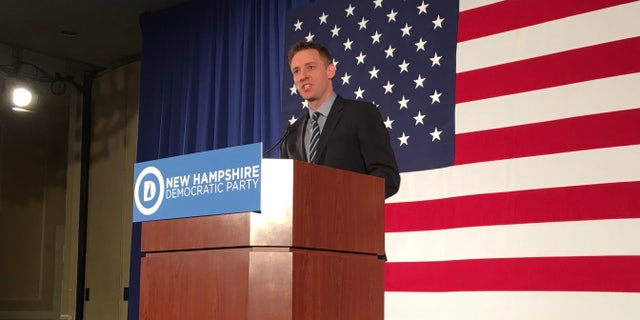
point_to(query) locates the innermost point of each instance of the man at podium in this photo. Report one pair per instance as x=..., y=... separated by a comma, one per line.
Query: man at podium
x=337, y=132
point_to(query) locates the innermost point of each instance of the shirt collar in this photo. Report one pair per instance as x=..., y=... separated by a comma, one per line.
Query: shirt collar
x=325, y=107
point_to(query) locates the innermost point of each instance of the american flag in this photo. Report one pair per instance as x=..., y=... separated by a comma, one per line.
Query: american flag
x=529, y=206
x=399, y=56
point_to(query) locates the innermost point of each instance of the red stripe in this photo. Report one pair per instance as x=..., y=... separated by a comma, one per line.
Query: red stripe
x=508, y=15
x=601, y=273
x=594, y=62
x=601, y=201
x=611, y=129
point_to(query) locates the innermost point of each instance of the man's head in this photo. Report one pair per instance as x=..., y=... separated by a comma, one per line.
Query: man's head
x=312, y=69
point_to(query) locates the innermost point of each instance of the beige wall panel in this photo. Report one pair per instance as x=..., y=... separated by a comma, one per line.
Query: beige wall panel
x=33, y=157
x=114, y=136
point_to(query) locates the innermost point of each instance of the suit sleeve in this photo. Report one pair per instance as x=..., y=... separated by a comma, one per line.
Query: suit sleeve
x=376, y=149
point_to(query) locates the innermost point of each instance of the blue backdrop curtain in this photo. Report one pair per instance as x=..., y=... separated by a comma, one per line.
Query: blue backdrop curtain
x=211, y=77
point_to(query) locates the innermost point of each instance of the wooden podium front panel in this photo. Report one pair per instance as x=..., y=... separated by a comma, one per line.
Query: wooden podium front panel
x=337, y=286
x=337, y=210
x=304, y=206
x=217, y=231
x=270, y=274
x=261, y=284
x=208, y=284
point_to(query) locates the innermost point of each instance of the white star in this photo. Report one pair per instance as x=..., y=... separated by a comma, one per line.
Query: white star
x=438, y=22
x=435, y=97
x=435, y=135
x=360, y=58
x=359, y=93
x=388, y=123
x=389, y=51
x=323, y=18
x=388, y=88
x=422, y=8
x=420, y=44
x=292, y=120
x=404, y=66
x=309, y=37
x=404, y=103
x=345, y=78
x=435, y=60
x=419, y=82
x=350, y=10
x=347, y=45
x=298, y=25
x=404, y=139
x=363, y=24
x=335, y=62
x=378, y=3
x=335, y=31
x=419, y=118
x=374, y=72
x=406, y=30
x=392, y=16
x=305, y=104
x=293, y=90
x=376, y=37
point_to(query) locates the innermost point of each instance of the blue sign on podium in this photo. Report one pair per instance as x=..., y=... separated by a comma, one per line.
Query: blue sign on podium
x=198, y=184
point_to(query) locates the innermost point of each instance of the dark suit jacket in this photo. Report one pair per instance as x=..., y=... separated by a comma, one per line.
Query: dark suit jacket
x=354, y=138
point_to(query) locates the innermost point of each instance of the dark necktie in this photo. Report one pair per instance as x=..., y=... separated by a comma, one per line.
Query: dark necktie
x=315, y=136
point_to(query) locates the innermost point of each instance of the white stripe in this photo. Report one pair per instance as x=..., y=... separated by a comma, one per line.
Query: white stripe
x=584, y=98
x=553, y=239
x=615, y=23
x=511, y=305
x=472, y=4
x=619, y=164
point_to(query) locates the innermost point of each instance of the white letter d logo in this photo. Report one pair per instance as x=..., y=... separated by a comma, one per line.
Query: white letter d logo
x=149, y=190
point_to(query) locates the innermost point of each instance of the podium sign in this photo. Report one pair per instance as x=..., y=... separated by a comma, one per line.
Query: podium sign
x=204, y=183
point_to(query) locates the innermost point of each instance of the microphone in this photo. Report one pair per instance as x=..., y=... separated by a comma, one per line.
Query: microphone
x=287, y=132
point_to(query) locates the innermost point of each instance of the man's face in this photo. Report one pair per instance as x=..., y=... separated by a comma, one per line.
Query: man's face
x=312, y=77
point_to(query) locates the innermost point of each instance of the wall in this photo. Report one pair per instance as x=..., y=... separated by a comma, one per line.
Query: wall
x=33, y=149
x=40, y=196
x=113, y=150
x=113, y=154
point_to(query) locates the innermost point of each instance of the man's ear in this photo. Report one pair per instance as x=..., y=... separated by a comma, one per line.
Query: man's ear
x=331, y=70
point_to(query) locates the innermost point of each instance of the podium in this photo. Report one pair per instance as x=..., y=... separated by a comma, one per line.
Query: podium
x=311, y=253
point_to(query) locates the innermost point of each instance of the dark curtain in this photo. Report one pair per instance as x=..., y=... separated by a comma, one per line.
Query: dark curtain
x=211, y=77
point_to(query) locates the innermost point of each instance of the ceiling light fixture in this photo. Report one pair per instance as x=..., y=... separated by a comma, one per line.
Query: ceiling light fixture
x=21, y=74
x=23, y=98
